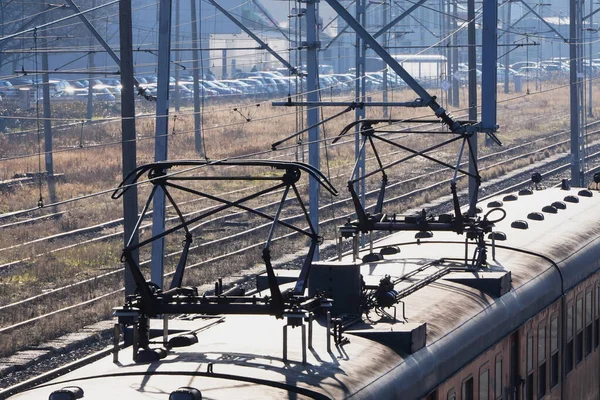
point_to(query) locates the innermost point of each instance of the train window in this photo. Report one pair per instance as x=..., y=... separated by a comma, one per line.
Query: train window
x=541, y=360
x=498, y=378
x=597, y=301
x=579, y=327
x=569, y=351
x=570, y=321
x=484, y=383
x=432, y=396
x=588, y=307
x=451, y=394
x=541, y=342
x=467, y=389
x=588, y=323
x=579, y=315
x=529, y=352
x=597, y=319
x=529, y=382
x=554, y=351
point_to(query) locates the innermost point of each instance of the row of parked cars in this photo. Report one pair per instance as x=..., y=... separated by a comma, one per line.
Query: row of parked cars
x=18, y=88
x=261, y=84
x=532, y=70
x=267, y=84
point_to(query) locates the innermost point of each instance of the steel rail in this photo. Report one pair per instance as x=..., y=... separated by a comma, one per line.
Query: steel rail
x=344, y=217
x=341, y=201
x=345, y=200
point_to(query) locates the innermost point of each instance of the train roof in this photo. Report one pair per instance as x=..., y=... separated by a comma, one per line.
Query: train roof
x=463, y=311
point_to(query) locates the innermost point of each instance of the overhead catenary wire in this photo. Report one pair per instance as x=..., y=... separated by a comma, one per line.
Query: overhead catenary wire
x=142, y=138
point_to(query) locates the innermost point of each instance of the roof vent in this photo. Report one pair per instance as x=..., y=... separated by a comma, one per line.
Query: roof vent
x=67, y=393
x=371, y=257
x=497, y=235
x=186, y=393
x=150, y=355
x=525, y=192
x=519, y=224
x=423, y=235
x=571, y=199
x=510, y=197
x=183, y=340
x=550, y=209
x=559, y=205
x=585, y=193
x=535, y=216
x=495, y=203
x=389, y=250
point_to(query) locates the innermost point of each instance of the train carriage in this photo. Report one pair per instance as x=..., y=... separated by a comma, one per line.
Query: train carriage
x=523, y=326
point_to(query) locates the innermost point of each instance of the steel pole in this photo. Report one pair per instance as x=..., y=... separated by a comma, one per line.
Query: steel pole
x=591, y=71
x=178, y=40
x=128, y=147
x=48, y=155
x=161, y=137
x=196, y=76
x=361, y=50
x=472, y=59
x=489, y=55
x=91, y=66
x=312, y=114
x=454, y=51
x=507, y=28
x=577, y=151
x=384, y=44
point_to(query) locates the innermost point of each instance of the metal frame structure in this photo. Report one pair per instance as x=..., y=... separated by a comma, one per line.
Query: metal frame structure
x=151, y=301
x=423, y=223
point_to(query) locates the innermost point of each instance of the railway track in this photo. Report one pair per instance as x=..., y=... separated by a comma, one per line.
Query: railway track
x=28, y=303
x=98, y=227
x=221, y=232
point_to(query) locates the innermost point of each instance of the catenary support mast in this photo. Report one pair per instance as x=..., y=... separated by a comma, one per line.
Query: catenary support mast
x=161, y=136
x=576, y=92
x=128, y=147
x=312, y=116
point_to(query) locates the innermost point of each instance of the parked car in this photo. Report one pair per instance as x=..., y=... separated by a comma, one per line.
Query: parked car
x=223, y=91
x=462, y=76
x=21, y=82
x=501, y=74
x=522, y=64
x=56, y=86
x=102, y=93
x=71, y=95
x=7, y=91
x=203, y=91
x=242, y=86
x=259, y=87
x=533, y=72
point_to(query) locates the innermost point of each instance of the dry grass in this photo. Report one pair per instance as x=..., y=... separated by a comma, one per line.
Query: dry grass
x=96, y=167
